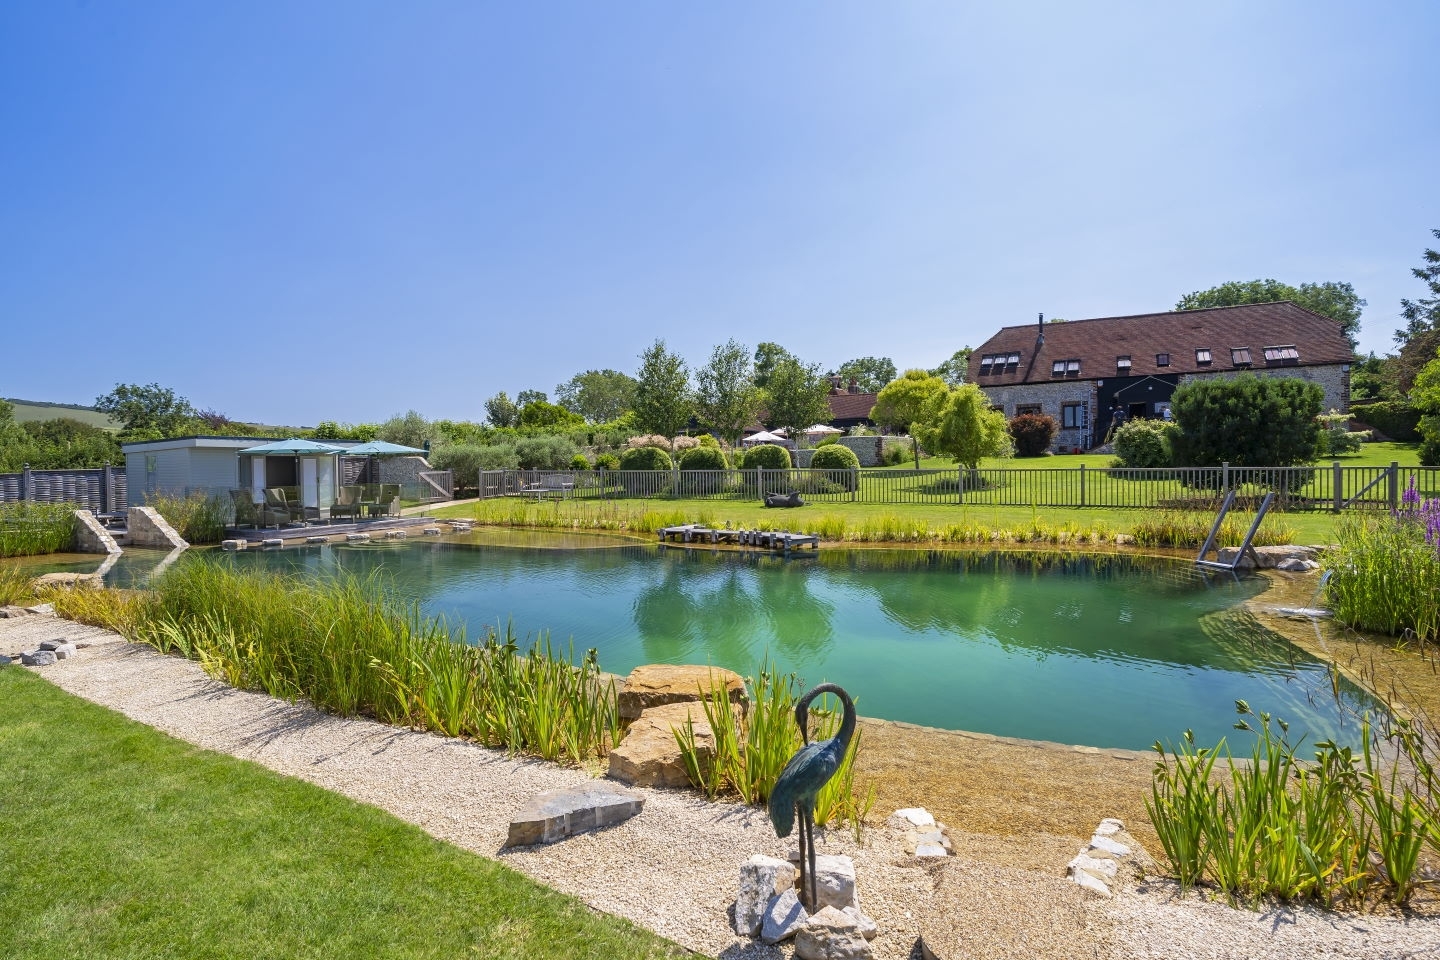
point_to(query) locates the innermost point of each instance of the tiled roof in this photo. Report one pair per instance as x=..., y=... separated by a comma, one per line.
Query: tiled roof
x=851, y=406
x=1098, y=344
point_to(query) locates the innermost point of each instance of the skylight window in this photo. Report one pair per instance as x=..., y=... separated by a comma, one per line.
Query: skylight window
x=1162, y=359
x=1240, y=356
x=1281, y=354
x=1122, y=364
x=1202, y=356
x=1057, y=369
x=986, y=362
x=1072, y=368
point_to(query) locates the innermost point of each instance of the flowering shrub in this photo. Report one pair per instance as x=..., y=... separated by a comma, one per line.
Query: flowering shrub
x=647, y=440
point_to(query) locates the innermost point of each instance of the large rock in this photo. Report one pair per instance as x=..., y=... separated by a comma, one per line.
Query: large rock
x=662, y=683
x=66, y=580
x=13, y=611
x=762, y=879
x=557, y=814
x=831, y=935
x=38, y=658
x=649, y=755
x=834, y=881
x=1270, y=557
x=783, y=917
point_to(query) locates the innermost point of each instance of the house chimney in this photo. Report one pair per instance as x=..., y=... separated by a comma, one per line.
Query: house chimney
x=1040, y=340
x=853, y=386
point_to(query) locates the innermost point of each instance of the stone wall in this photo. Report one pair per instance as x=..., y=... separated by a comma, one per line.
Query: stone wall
x=1051, y=397
x=90, y=536
x=402, y=470
x=868, y=449
x=146, y=528
x=1334, y=379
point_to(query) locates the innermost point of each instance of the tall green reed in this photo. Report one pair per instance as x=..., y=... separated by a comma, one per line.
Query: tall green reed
x=31, y=529
x=197, y=517
x=1383, y=576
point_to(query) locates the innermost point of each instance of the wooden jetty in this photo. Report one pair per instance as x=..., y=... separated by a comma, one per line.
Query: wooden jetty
x=782, y=540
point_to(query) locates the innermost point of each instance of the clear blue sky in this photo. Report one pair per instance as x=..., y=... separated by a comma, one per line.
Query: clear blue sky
x=299, y=211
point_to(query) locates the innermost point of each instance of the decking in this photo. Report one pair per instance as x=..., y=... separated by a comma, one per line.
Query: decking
x=782, y=540
x=297, y=531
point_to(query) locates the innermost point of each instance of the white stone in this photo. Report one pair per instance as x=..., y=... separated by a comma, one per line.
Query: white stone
x=913, y=817
x=64, y=651
x=1102, y=869
x=1091, y=883
x=762, y=879
x=232, y=544
x=272, y=542
x=831, y=935
x=931, y=850
x=868, y=928
x=834, y=882
x=783, y=916
x=1109, y=827
x=317, y=539
x=432, y=531
x=357, y=536
x=1110, y=846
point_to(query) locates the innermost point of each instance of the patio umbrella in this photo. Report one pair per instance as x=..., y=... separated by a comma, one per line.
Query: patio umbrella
x=764, y=436
x=823, y=428
x=294, y=446
x=379, y=448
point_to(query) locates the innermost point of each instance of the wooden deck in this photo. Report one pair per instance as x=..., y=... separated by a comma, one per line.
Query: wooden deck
x=782, y=540
x=295, y=531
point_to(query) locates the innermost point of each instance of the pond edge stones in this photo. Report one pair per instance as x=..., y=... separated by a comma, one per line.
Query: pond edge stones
x=1097, y=866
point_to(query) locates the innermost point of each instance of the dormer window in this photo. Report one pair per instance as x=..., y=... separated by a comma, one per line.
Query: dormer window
x=1202, y=357
x=987, y=362
x=1012, y=362
x=1162, y=359
x=999, y=363
x=1240, y=356
x=1122, y=365
x=1072, y=368
x=1284, y=354
x=1057, y=369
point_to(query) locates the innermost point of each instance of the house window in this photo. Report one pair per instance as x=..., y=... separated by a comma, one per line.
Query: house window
x=1122, y=365
x=1023, y=408
x=1072, y=415
x=1282, y=354
x=1072, y=368
x=987, y=363
x=1012, y=362
x=1162, y=359
x=1057, y=369
x=1240, y=356
x=1202, y=357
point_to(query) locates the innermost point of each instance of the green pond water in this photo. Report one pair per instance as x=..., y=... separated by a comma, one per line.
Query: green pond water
x=1108, y=651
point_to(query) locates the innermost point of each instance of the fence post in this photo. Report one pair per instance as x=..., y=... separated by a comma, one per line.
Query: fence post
x=1082, y=484
x=959, y=484
x=760, y=481
x=1225, y=477
x=1338, y=482
x=25, y=490
x=855, y=485
x=1394, y=485
x=674, y=481
x=105, y=488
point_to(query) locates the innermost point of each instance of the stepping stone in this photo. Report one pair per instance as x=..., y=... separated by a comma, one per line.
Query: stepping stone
x=661, y=683
x=232, y=544
x=557, y=814
x=352, y=537
x=432, y=531
x=317, y=539
x=273, y=542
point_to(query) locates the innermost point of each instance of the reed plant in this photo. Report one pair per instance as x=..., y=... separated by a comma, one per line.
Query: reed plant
x=16, y=587
x=122, y=611
x=1383, y=576
x=1189, y=528
x=30, y=529
x=351, y=647
x=1339, y=829
x=197, y=517
x=753, y=745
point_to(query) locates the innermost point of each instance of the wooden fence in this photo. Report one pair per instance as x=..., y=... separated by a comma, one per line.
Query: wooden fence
x=1331, y=487
x=101, y=491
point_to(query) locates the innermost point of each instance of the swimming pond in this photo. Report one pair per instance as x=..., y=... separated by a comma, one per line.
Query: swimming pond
x=1102, y=650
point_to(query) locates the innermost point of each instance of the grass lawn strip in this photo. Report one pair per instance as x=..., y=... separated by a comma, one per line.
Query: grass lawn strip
x=124, y=842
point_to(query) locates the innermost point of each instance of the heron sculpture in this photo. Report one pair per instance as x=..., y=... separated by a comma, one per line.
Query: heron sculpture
x=807, y=772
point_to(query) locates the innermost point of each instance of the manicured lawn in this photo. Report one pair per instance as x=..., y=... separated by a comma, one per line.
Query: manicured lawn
x=122, y=842
x=1370, y=455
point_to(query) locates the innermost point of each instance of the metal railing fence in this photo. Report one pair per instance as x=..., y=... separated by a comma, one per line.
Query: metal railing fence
x=1331, y=487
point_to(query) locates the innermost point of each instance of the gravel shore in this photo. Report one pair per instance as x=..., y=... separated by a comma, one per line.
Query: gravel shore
x=674, y=868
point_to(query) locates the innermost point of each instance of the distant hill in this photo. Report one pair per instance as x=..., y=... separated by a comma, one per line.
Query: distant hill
x=40, y=410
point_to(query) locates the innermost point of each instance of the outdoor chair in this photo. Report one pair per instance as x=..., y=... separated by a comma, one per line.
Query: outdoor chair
x=348, y=503
x=246, y=513
x=387, y=502
x=278, y=503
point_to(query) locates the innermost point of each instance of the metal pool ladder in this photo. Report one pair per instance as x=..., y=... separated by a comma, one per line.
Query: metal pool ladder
x=1245, y=547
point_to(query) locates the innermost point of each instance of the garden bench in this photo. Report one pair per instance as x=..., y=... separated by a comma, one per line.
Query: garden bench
x=561, y=483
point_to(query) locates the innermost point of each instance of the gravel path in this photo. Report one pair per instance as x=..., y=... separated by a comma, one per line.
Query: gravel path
x=674, y=868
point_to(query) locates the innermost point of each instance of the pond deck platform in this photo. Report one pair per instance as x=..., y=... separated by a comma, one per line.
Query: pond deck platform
x=376, y=528
x=782, y=540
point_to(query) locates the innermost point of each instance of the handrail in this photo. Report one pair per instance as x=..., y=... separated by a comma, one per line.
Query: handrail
x=1245, y=547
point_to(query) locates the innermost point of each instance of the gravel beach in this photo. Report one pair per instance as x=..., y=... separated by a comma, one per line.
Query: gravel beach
x=674, y=868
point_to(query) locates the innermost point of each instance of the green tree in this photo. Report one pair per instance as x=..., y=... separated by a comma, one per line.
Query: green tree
x=964, y=427
x=332, y=430
x=869, y=373
x=954, y=370
x=598, y=395
x=767, y=357
x=797, y=395
x=501, y=411
x=1246, y=421
x=726, y=397
x=408, y=429
x=1425, y=396
x=907, y=400
x=148, y=412
x=63, y=444
x=542, y=415
x=1423, y=314
x=1338, y=301
x=663, y=402
x=531, y=396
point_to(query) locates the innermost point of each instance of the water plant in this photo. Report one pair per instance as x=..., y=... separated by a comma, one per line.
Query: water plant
x=197, y=516
x=16, y=587
x=1340, y=829
x=29, y=529
x=1189, y=528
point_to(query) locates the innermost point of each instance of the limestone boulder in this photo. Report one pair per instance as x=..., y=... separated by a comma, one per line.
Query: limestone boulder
x=1270, y=557
x=557, y=814
x=65, y=580
x=762, y=879
x=784, y=916
x=38, y=658
x=649, y=756
x=831, y=934
x=661, y=683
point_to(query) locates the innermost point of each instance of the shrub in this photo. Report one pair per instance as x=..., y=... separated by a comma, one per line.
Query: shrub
x=545, y=453
x=894, y=454
x=466, y=460
x=578, y=462
x=648, y=440
x=645, y=458
x=1033, y=434
x=1246, y=421
x=705, y=440
x=703, y=458
x=683, y=443
x=607, y=461
x=1335, y=438
x=1395, y=419
x=827, y=440
x=1144, y=443
x=835, y=457
x=767, y=455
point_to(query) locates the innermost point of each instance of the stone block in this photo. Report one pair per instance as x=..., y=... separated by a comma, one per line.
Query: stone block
x=912, y=817
x=654, y=685
x=5, y=661
x=13, y=611
x=835, y=881
x=762, y=879
x=557, y=814
x=831, y=935
x=64, y=651
x=1109, y=827
x=649, y=755
x=38, y=658
x=232, y=544
x=868, y=928
x=1109, y=845
x=783, y=917
x=352, y=537
x=272, y=543
x=317, y=539
x=1100, y=869
x=432, y=531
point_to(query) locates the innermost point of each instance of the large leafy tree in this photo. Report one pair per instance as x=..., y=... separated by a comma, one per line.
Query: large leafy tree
x=908, y=400
x=409, y=429
x=1338, y=301
x=501, y=411
x=953, y=371
x=767, y=356
x=543, y=415
x=726, y=398
x=531, y=396
x=797, y=395
x=1425, y=395
x=963, y=426
x=1246, y=421
x=150, y=412
x=1420, y=337
x=663, y=401
x=598, y=395
x=869, y=373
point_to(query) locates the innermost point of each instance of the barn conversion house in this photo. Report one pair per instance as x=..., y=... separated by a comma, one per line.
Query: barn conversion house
x=1091, y=374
